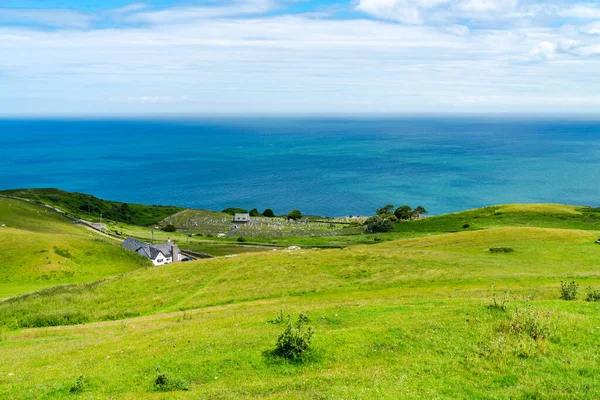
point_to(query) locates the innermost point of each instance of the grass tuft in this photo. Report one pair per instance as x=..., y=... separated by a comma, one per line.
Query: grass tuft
x=167, y=383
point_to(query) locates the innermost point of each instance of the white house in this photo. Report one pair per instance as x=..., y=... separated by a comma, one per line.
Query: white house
x=160, y=254
x=241, y=217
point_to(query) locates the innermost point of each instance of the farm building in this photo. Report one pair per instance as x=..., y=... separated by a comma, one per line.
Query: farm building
x=160, y=254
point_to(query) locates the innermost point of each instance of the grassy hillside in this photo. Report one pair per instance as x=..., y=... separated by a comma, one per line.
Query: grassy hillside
x=40, y=248
x=411, y=318
x=88, y=207
x=532, y=215
x=540, y=260
x=404, y=319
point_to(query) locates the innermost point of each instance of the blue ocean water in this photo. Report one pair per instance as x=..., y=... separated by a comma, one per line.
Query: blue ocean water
x=323, y=166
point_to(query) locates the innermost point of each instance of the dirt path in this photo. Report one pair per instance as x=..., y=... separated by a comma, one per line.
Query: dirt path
x=89, y=228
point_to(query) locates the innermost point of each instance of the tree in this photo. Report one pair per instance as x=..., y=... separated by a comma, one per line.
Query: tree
x=403, y=212
x=295, y=215
x=387, y=210
x=420, y=211
x=233, y=211
x=268, y=213
x=254, y=212
x=378, y=224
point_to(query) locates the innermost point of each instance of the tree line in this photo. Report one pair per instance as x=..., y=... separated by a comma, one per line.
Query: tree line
x=384, y=218
x=292, y=215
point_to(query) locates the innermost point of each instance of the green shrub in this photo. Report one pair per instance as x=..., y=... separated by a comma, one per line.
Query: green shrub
x=294, y=215
x=378, y=224
x=466, y=226
x=497, y=250
x=592, y=294
x=268, y=213
x=169, y=228
x=536, y=324
x=241, y=239
x=568, y=291
x=79, y=386
x=166, y=383
x=295, y=340
x=62, y=252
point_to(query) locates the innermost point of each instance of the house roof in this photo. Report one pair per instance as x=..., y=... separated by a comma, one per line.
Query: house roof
x=241, y=217
x=148, y=250
x=133, y=244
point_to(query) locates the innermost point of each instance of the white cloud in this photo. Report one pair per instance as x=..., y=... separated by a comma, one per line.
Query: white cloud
x=486, y=6
x=235, y=58
x=417, y=12
x=152, y=99
x=591, y=29
x=406, y=11
x=181, y=14
x=63, y=18
x=544, y=50
x=581, y=11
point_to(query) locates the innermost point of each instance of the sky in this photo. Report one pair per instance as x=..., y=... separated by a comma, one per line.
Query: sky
x=351, y=57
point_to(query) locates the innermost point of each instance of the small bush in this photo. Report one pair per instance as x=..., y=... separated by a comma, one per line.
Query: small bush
x=377, y=239
x=466, y=226
x=533, y=323
x=497, y=250
x=79, y=386
x=378, y=224
x=62, y=252
x=169, y=228
x=295, y=340
x=165, y=383
x=592, y=294
x=241, y=239
x=568, y=291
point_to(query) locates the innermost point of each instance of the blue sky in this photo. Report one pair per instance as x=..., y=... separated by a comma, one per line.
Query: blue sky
x=115, y=57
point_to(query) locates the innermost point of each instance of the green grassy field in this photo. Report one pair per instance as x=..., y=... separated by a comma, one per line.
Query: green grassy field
x=402, y=319
x=533, y=215
x=93, y=209
x=408, y=317
x=40, y=248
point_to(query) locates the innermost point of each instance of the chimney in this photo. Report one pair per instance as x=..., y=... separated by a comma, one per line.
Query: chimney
x=175, y=252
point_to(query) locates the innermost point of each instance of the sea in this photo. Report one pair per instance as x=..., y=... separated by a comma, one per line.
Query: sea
x=329, y=166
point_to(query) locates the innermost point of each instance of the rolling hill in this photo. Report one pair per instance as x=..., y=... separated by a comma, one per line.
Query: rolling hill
x=40, y=248
x=474, y=313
